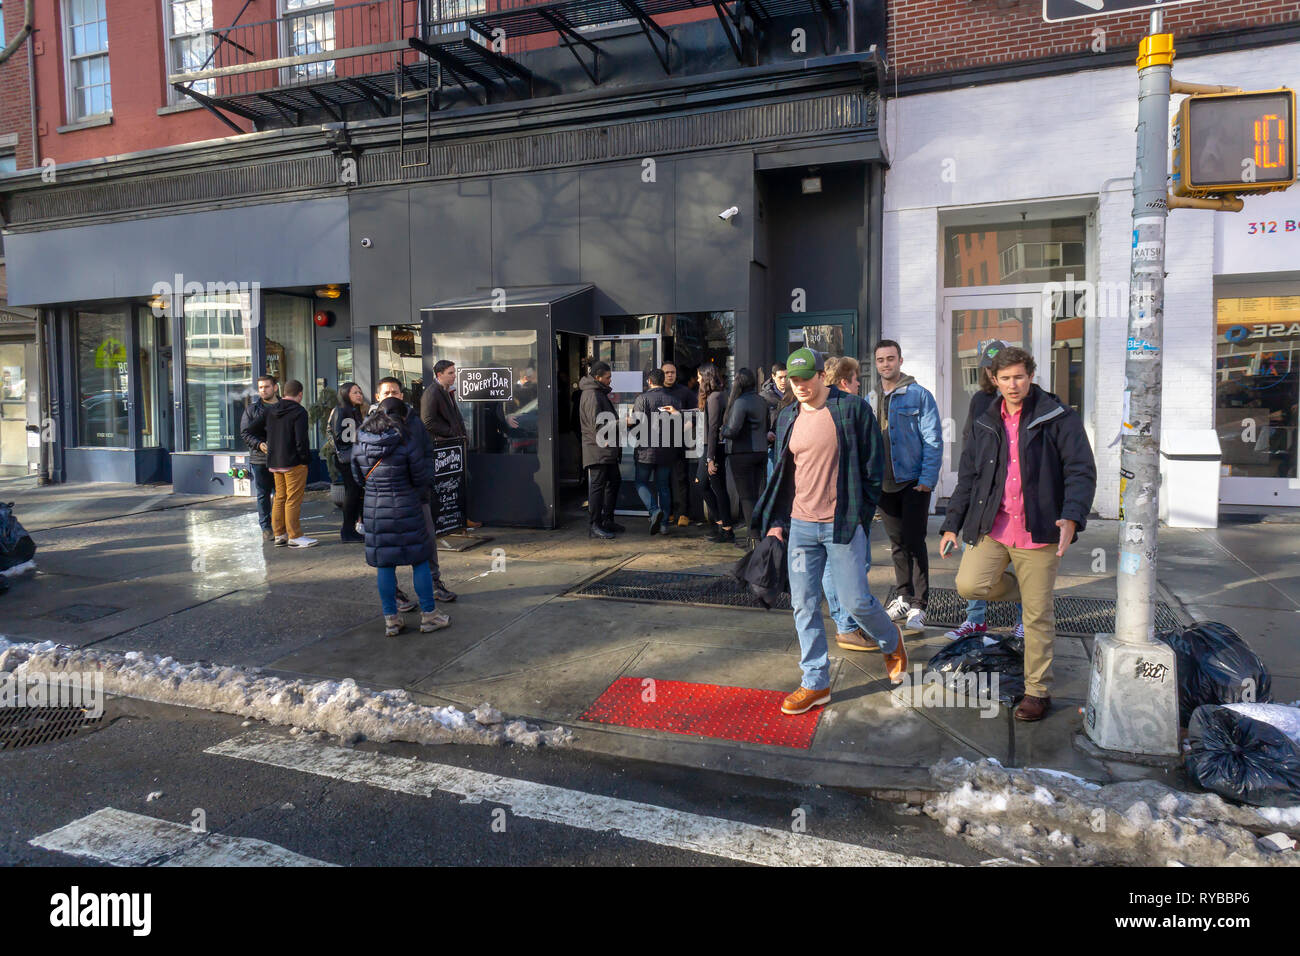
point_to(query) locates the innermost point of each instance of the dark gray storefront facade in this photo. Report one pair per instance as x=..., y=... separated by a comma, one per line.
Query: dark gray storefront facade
x=620, y=192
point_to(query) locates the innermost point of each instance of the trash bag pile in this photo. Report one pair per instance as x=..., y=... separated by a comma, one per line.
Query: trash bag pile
x=16, y=545
x=1215, y=666
x=980, y=653
x=1247, y=752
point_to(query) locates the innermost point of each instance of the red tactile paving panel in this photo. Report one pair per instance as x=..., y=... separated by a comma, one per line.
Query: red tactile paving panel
x=705, y=710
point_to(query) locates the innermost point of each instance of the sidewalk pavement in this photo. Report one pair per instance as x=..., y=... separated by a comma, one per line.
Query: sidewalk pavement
x=191, y=578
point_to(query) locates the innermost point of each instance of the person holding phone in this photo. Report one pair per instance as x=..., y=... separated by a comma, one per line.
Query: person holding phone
x=1024, y=490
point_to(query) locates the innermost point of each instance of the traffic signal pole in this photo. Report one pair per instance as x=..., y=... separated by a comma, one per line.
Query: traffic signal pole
x=1133, y=699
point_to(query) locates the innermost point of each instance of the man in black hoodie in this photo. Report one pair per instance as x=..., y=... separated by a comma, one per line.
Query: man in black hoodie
x=287, y=455
x=601, y=450
x=252, y=429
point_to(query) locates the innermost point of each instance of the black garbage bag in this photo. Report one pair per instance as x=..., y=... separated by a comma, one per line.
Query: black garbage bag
x=16, y=545
x=1247, y=752
x=1004, y=656
x=1215, y=666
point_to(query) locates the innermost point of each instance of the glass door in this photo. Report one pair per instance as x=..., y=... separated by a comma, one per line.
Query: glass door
x=969, y=323
x=631, y=357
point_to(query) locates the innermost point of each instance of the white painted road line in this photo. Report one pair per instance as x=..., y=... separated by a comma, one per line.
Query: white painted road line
x=638, y=821
x=120, y=838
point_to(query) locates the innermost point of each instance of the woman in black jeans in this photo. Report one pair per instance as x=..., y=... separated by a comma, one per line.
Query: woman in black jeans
x=745, y=430
x=712, y=475
x=344, y=424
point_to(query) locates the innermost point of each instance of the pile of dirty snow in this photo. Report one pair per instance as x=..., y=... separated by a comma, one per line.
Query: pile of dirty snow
x=341, y=708
x=1049, y=816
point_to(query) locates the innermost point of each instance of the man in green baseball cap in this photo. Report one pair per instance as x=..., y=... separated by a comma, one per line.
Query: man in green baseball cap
x=820, y=501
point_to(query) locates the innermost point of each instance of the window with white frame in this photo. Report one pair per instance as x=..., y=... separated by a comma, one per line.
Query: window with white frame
x=189, y=42
x=2, y=24
x=307, y=26
x=443, y=10
x=85, y=47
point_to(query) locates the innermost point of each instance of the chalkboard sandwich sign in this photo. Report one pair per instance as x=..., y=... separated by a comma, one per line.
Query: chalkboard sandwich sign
x=449, y=489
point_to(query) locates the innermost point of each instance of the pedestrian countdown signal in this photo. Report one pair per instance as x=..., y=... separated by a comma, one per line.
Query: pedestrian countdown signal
x=1227, y=144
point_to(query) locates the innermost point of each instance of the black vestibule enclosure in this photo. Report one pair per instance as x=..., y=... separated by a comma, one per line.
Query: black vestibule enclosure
x=513, y=426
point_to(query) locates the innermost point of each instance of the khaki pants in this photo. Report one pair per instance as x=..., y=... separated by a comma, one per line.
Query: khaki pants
x=982, y=577
x=286, y=506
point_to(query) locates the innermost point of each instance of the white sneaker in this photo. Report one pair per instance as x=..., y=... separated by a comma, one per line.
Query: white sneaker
x=916, y=619
x=898, y=608
x=303, y=542
x=967, y=629
x=361, y=528
x=1019, y=631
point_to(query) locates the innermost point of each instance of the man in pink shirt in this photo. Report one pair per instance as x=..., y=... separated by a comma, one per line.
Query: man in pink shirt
x=1025, y=484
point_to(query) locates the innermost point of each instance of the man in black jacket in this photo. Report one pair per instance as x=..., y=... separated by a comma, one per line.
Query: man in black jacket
x=601, y=448
x=252, y=429
x=686, y=401
x=438, y=408
x=1024, y=490
x=287, y=456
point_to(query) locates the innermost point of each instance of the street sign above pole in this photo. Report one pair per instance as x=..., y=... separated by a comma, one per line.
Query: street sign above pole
x=1054, y=11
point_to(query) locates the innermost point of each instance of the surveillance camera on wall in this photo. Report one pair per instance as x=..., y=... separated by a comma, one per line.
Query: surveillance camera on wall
x=727, y=214
x=366, y=243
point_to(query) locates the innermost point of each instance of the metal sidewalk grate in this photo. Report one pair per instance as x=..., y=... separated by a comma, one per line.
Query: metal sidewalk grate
x=22, y=727
x=1081, y=616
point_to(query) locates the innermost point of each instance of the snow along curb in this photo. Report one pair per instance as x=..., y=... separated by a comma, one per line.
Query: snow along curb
x=1050, y=816
x=334, y=707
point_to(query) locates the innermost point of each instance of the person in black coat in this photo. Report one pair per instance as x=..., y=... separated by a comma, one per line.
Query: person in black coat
x=1024, y=489
x=656, y=421
x=344, y=423
x=601, y=449
x=712, y=473
x=391, y=465
x=288, y=454
x=745, y=427
x=252, y=429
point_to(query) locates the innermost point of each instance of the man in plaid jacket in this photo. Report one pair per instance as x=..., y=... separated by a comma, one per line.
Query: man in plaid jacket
x=820, y=501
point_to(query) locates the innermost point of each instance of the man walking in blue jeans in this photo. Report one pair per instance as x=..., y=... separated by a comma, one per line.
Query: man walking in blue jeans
x=820, y=501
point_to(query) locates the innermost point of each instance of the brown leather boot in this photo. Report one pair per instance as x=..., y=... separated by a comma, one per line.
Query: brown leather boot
x=1032, y=708
x=855, y=640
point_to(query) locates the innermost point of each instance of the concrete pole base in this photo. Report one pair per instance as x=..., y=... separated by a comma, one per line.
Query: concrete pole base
x=1133, y=699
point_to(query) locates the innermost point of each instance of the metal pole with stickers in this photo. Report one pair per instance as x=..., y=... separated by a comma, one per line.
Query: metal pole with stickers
x=1225, y=143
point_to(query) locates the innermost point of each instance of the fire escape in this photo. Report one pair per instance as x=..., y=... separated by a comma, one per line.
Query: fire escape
x=396, y=56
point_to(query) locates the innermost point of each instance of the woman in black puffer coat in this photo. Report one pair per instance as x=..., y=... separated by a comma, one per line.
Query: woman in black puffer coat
x=391, y=468
x=344, y=425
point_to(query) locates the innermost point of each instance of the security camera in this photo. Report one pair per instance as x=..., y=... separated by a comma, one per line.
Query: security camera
x=727, y=214
x=366, y=243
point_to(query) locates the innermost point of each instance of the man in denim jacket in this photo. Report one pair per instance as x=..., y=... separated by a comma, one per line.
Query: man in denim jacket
x=913, y=441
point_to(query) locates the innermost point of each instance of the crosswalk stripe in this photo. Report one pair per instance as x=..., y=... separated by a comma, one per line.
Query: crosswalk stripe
x=638, y=821
x=121, y=838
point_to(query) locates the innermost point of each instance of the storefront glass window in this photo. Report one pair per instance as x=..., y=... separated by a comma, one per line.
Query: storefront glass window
x=698, y=338
x=13, y=408
x=397, y=350
x=1257, y=348
x=1014, y=253
x=291, y=353
x=495, y=426
x=219, y=332
x=102, y=380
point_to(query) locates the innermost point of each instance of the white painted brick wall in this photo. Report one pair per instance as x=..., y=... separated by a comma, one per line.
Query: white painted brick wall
x=1058, y=138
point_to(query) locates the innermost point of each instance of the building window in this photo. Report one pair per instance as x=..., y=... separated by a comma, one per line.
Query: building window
x=291, y=350
x=308, y=27
x=86, y=49
x=1015, y=253
x=189, y=42
x=398, y=354
x=2, y=25
x=103, y=382
x=218, y=368
x=494, y=426
x=8, y=164
x=1257, y=384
